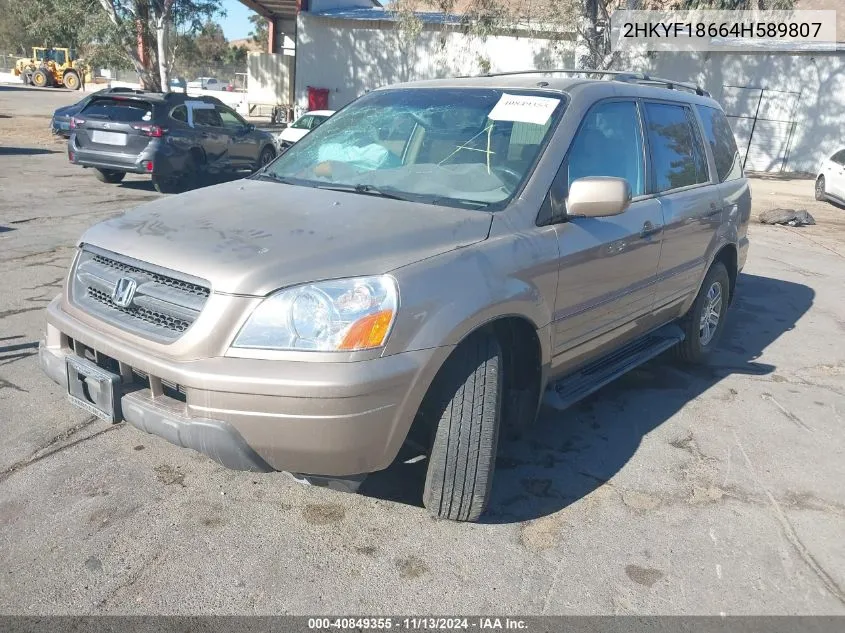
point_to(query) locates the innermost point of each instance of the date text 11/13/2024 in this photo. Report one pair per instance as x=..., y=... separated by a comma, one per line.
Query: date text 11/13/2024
x=417, y=623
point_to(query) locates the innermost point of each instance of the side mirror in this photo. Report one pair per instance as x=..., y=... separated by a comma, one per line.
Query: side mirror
x=598, y=197
x=250, y=127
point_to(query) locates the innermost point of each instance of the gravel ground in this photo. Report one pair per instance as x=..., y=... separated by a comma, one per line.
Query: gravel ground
x=672, y=491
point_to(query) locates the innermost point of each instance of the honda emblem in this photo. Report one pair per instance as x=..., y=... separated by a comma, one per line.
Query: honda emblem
x=123, y=292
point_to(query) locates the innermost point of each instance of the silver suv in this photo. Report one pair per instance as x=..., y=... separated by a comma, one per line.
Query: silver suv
x=433, y=261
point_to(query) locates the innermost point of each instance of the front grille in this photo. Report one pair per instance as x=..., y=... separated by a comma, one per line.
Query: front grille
x=164, y=303
x=158, y=319
x=185, y=286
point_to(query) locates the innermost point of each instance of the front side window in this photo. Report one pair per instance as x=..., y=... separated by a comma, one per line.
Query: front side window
x=609, y=143
x=59, y=57
x=719, y=136
x=675, y=150
x=230, y=119
x=468, y=147
x=207, y=117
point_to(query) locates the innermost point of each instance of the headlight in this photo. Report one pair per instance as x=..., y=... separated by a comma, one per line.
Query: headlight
x=344, y=314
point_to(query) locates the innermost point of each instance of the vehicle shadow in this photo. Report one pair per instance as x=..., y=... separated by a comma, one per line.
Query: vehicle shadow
x=24, y=151
x=207, y=181
x=568, y=454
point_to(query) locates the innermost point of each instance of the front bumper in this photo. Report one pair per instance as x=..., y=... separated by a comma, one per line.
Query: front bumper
x=333, y=419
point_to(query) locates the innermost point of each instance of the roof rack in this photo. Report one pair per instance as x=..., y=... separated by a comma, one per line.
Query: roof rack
x=615, y=75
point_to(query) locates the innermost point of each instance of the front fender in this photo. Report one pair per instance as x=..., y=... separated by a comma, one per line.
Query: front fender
x=445, y=298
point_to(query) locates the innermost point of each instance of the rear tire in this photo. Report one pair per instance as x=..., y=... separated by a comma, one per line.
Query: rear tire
x=267, y=155
x=820, y=192
x=109, y=175
x=182, y=182
x=466, y=399
x=704, y=323
x=166, y=184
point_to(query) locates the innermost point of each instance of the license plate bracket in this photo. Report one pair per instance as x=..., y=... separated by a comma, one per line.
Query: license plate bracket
x=108, y=138
x=94, y=389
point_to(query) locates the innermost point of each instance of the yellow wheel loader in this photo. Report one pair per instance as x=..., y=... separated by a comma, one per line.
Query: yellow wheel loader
x=51, y=67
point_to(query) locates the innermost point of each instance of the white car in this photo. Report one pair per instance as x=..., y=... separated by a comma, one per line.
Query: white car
x=299, y=128
x=830, y=183
x=207, y=83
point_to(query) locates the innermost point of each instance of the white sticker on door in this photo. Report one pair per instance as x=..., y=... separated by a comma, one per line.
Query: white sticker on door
x=524, y=109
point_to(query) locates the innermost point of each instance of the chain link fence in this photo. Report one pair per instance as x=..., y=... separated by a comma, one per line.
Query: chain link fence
x=8, y=59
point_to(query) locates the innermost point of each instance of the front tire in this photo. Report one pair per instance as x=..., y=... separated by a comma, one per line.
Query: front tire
x=820, y=192
x=71, y=80
x=704, y=323
x=466, y=399
x=109, y=175
x=40, y=79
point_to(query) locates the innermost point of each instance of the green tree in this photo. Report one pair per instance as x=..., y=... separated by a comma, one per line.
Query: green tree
x=558, y=21
x=152, y=22
x=59, y=23
x=260, y=33
x=236, y=55
x=211, y=44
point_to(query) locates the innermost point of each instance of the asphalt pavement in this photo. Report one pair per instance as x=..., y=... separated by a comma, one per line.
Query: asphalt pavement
x=711, y=490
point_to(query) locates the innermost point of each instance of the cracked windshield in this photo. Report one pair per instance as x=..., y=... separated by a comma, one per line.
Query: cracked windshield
x=459, y=147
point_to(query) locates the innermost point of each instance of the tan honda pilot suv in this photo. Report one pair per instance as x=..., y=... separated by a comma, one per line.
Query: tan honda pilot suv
x=429, y=266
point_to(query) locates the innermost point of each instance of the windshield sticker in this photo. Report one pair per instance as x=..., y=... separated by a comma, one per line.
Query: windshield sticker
x=524, y=109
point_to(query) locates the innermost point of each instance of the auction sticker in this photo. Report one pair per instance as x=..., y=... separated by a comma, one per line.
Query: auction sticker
x=524, y=109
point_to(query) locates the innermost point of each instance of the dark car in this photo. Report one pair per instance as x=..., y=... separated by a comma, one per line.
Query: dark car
x=171, y=136
x=60, y=123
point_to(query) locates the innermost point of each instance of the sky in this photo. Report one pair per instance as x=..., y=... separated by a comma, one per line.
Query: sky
x=236, y=24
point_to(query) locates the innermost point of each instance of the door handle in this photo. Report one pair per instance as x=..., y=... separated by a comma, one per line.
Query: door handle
x=650, y=229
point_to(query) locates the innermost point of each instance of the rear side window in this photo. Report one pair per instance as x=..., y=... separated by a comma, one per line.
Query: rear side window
x=179, y=113
x=608, y=143
x=676, y=151
x=120, y=111
x=722, y=143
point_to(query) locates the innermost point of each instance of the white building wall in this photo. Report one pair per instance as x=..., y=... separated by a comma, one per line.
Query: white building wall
x=818, y=110
x=350, y=57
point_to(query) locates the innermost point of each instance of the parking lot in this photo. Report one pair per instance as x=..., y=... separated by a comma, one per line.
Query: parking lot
x=715, y=490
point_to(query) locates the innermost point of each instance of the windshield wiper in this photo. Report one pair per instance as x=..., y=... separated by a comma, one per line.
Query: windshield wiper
x=269, y=175
x=368, y=190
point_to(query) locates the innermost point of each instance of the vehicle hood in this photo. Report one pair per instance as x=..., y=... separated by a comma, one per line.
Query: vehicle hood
x=252, y=237
x=292, y=134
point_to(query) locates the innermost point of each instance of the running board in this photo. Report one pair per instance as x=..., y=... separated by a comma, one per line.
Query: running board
x=569, y=390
